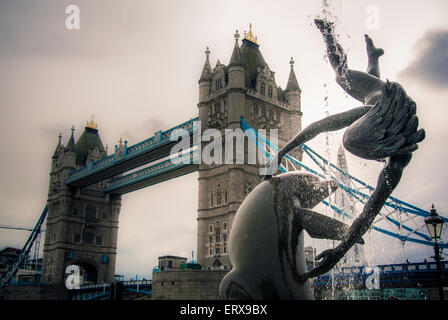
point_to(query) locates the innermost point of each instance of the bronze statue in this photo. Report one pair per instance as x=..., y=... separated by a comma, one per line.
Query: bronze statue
x=266, y=241
x=384, y=129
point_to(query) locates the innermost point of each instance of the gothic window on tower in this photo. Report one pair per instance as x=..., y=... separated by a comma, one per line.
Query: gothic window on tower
x=88, y=237
x=211, y=251
x=255, y=110
x=76, y=238
x=218, y=198
x=90, y=212
x=224, y=248
x=226, y=196
x=263, y=111
x=263, y=89
x=277, y=115
x=225, y=226
x=218, y=249
x=211, y=200
x=50, y=266
x=218, y=107
x=99, y=240
x=271, y=114
x=218, y=83
x=210, y=228
x=210, y=239
x=270, y=92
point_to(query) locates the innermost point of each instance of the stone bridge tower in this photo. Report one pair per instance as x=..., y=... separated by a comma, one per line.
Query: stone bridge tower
x=246, y=87
x=82, y=224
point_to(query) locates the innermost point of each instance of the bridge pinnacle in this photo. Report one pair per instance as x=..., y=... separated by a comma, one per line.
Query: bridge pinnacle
x=92, y=125
x=250, y=36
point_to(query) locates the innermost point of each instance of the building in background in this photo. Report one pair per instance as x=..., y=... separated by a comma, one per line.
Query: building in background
x=171, y=263
x=356, y=254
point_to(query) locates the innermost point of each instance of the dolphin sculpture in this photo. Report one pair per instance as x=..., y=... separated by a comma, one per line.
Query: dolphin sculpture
x=266, y=241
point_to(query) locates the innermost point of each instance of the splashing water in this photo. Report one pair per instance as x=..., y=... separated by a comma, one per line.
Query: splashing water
x=328, y=15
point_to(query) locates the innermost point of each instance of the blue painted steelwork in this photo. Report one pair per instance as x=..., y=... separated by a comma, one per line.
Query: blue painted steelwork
x=401, y=206
x=407, y=206
x=390, y=275
x=89, y=295
x=158, y=140
x=354, y=193
x=152, y=171
x=149, y=293
x=14, y=267
x=24, y=283
x=96, y=291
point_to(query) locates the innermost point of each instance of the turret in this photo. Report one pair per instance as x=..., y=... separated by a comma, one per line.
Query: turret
x=293, y=90
x=88, y=141
x=70, y=153
x=206, y=78
x=236, y=67
x=57, y=152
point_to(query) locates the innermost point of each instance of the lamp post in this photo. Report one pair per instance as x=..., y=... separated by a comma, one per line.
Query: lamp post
x=434, y=223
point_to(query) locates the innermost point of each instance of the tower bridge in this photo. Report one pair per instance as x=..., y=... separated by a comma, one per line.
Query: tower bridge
x=86, y=183
x=126, y=158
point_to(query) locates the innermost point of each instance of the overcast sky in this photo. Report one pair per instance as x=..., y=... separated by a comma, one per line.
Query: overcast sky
x=135, y=64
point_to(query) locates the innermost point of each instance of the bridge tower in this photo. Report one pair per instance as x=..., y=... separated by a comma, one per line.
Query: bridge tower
x=246, y=88
x=82, y=224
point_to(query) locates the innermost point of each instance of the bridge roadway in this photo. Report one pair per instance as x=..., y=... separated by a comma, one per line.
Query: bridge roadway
x=159, y=172
x=411, y=275
x=101, y=291
x=155, y=148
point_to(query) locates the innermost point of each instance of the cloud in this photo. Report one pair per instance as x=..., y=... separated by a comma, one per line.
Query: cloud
x=430, y=65
x=38, y=29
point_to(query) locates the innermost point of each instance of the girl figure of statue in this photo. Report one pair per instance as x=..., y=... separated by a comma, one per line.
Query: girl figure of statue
x=384, y=128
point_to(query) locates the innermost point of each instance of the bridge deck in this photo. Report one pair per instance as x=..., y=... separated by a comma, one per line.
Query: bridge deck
x=163, y=171
x=390, y=276
x=144, y=152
